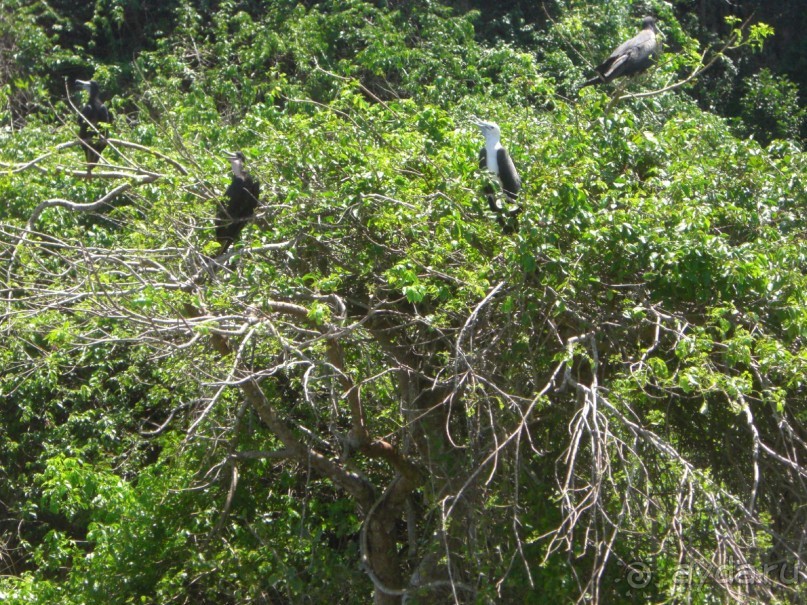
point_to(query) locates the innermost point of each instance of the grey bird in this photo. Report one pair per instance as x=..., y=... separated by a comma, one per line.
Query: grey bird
x=494, y=158
x=239, y=206
x=90, y=131
x=631, y=57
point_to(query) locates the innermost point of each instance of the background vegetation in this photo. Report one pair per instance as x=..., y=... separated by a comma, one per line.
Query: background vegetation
x=376, y=394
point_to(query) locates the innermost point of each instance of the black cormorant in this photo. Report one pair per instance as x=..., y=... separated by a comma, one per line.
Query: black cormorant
x=631, y=57
x=239, y=206
x=495, y=158
x=92, y=135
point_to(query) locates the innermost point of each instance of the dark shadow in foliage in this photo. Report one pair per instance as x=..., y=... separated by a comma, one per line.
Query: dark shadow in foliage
x=509, y=20
x=784, y=54
x=770, y=108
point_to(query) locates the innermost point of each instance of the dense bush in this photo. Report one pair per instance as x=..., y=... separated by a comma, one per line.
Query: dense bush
x=376, y=388
x=770, y=107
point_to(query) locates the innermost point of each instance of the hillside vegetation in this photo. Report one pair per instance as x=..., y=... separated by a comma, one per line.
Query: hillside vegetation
x=376, y=394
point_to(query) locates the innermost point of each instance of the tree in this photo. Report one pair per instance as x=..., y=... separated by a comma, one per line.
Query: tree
x=375, y=390
x=770, y=107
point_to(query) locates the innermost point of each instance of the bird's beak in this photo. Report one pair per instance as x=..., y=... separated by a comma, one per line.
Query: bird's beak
x=83, y=84
x=230, y=156
x=475, y=121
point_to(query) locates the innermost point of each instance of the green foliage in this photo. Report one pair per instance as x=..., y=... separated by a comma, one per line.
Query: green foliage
x=770, y=108
x=755, y=37
x=659, y=259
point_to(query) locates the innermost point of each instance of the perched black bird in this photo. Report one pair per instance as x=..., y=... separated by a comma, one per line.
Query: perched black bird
x=631, y=57
x=495, y=158
x=239, y=207
x=94, y=113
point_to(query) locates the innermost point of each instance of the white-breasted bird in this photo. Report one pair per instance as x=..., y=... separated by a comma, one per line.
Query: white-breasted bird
x=494, y=158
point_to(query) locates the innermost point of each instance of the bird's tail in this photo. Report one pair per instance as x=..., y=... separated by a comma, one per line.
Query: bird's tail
x=590, y=82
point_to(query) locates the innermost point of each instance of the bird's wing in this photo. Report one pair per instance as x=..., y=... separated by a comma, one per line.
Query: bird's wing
x=646, y=44
x=511, y=182
x=86, y=116
x=604, y=67
x=638, y=40
x=650, y=47
x=633, y=55
x=232, y=189
x=616, y=67
x=222, y=214
x=483, y=158
x=106, y=115
x=254, y=189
